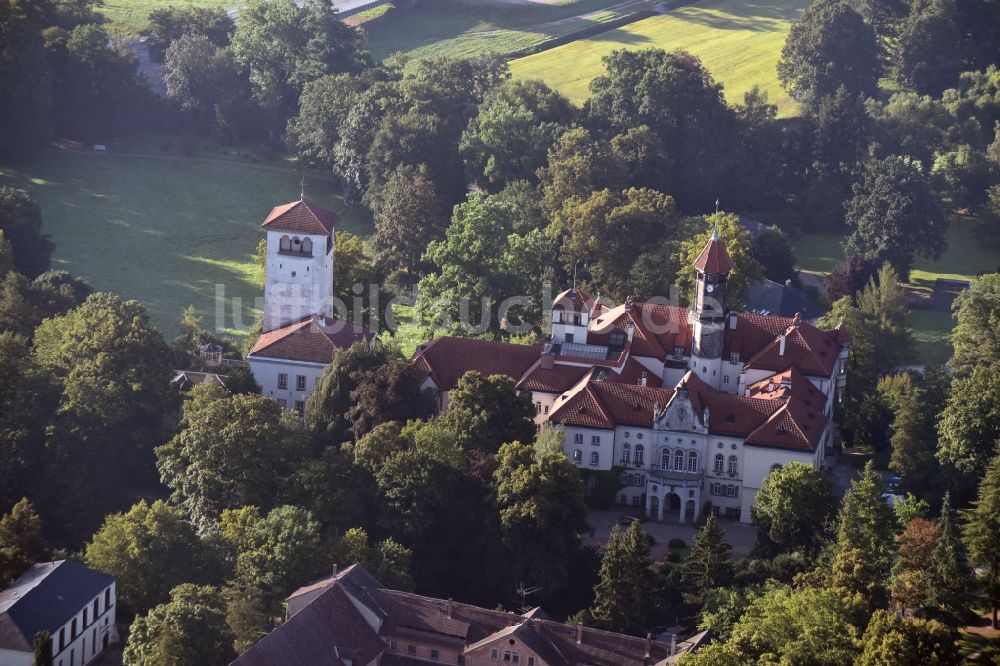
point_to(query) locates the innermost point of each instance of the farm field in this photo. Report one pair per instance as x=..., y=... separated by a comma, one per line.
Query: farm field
x=473, y=27
x=164, y=231
x=966, y=257
x=739, y=41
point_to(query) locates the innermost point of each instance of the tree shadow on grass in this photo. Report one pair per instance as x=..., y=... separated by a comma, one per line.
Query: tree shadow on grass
x=754, y=16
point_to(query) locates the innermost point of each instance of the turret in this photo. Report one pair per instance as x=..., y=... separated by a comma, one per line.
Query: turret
x=709, y=309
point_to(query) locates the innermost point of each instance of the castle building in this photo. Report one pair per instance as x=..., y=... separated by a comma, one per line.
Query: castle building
x=300, y=333
x=693, y=406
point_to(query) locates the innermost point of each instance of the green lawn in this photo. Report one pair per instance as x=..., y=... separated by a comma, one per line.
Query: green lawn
x=969, y=254
x=473, y=27
x=738, y=40
x=130, y=15
x=164, y=231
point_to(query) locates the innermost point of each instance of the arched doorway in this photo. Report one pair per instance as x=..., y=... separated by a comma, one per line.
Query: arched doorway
x=673, y=503
x=689, y=510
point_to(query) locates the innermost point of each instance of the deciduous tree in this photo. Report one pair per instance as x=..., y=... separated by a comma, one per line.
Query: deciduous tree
x=982, y=534
x=793, y=506
x=188, y=630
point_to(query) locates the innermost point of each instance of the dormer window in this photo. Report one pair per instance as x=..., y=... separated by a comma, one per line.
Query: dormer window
x=678, y=351
x=734, y=358
x=617, y=339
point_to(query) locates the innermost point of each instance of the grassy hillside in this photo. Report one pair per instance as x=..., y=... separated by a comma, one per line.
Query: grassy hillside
x=738, y=40
x=163, y=231
x=130, y=15
x=473, y=27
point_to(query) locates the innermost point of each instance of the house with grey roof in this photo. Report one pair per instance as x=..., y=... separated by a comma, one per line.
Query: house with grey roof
x=74, y=603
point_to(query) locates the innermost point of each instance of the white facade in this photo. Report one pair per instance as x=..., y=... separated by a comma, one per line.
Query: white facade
x=88, y=633
x=286, y=381
x=299, y=277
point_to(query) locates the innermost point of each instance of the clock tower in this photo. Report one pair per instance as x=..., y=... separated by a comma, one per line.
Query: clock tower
x=708, y=310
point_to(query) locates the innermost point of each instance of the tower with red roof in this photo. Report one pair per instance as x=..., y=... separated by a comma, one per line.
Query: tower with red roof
x=709, y=308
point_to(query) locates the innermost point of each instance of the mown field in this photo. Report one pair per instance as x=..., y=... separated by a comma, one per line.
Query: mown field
x=739, y=41
x=164, y=231
x=130, y=15
x=472, y=27
x=967, y=256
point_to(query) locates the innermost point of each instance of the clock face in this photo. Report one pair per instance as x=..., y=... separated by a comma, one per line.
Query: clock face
x=710, y=288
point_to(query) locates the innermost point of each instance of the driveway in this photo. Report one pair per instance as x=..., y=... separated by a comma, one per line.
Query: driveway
x=741, y=537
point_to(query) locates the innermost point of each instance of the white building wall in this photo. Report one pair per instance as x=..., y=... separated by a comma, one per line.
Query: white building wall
x=297, y=285
x=543, y=404
x=759, y=463
x=15, y=658
x=267, y=370
x=566, y=323
x=583, y=440
x=89, y=641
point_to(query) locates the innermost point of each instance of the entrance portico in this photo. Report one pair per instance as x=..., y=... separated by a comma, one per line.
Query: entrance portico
x=676, y=493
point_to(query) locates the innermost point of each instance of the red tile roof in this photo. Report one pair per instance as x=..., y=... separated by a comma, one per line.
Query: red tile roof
x=447, y=359
x=714, y=258
x=598, y=404
x=557, y=379
x=571, y=299
x=809, y=349
x=785, y=384
x=657, y=329
x=307, y=341
x=301, y=217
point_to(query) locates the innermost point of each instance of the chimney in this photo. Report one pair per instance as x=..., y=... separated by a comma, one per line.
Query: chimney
x=321, y=318
x=649, y=644
x=788, y=283
x=673, y=644
x=579, y=633
x=781, y=345
x=451, y=607
x=334, y=568
x=642, y=378
x=547, y=361
x=629, y=330
x=732, y=321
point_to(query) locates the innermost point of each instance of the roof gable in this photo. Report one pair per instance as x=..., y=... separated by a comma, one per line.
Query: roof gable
x=309, y=342
x=301, y=217
x=714, y=258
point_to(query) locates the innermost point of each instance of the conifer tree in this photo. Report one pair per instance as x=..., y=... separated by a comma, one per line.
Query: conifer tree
x=708, y=565
x=982, y=534
x=623, y=596
x=949, y=576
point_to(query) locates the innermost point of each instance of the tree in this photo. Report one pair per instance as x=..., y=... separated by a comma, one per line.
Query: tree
x=708, y=565
x=323, y=109
x=793, y=506
x=26, y=403
x=202, y=79
x=493, y=409
x=829, y=46
x=539, y=497
x=949, y=576
x=864, y=547
x=964, y=175
x=911, y=124
x=408, y=214
x=736, y=238
x=982, y=534
x=891, y=640
x=165, y=26
x=842, y=134
x=849, y=277
x=910, y=572
x=773, y=251
x=25, y=77
x=915, y=404
x=894, y=215
x=577, y=166
x=188, y=630
x=677, y=98
x=482, y=263
x=969, y=425
x=622, y=599
x=277, y=552
x=387, y=561
x=21, y=224
x=976, y=337
x=284, y=47
x=43, y=649
x=232, y=452
x=608, y=233
x=21, y=541
x=929, y=48
x=150, y=549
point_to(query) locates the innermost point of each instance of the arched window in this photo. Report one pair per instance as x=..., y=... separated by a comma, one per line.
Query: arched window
x=665, y=459
x=285, y=244
x=307, y=246
x=732, y=464
x=626, y=454
x=678, y=460
x=638, y=454
x=577, y=456
x=720, y=462
x=594, y=459
x=692, y=461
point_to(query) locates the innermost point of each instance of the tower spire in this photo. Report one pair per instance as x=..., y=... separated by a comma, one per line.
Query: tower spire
x=302, y=187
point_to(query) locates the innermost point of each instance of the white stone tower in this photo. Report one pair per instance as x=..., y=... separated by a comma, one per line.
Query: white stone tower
x=708, y=311
x=298, y=279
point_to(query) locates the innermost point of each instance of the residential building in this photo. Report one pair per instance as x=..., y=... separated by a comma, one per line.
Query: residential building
x=75, y=604
x=351, y=619
x=693, y=406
